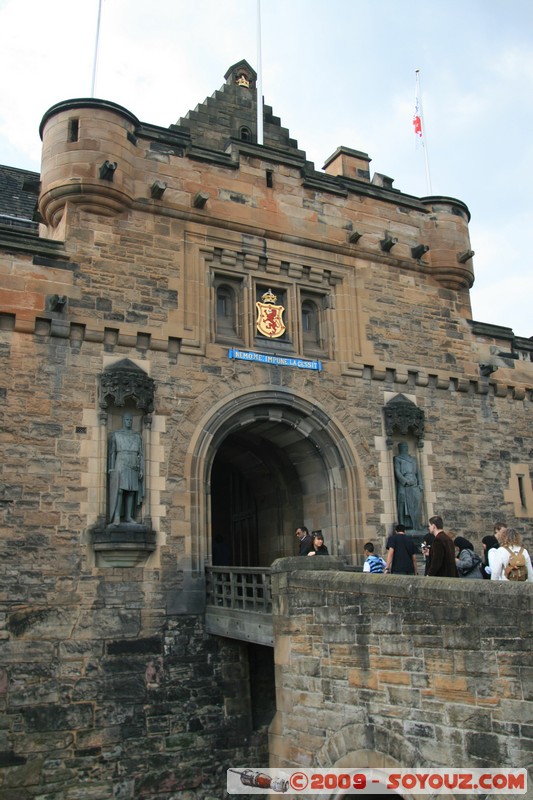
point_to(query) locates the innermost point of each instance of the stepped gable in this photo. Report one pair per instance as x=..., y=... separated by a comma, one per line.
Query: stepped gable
x=231, y=114
x=19, y=189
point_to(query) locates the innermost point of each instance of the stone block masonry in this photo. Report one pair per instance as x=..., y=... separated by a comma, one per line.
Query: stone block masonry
x=391, y=671
x=110, y=686
x=98, y=702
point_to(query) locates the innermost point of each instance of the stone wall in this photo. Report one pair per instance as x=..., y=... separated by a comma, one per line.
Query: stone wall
x=386, y=671
x=138, y=274
x=103, y=697
x=109, y=684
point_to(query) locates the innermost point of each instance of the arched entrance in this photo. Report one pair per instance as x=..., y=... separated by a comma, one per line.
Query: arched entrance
x=268, y=461
x=258, y=489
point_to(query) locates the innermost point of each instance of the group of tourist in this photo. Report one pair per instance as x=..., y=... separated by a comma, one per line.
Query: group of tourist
x=448, y=556
x=445, y=554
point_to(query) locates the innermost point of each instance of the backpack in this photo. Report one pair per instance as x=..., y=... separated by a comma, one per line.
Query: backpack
x=470, y=565
x=516, y=569
x=376, y=563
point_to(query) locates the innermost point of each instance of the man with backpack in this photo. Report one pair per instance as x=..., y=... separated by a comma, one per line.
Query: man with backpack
x=511, y=561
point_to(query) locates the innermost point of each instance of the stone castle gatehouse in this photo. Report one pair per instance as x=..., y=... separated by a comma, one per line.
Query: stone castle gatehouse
x=206, y=342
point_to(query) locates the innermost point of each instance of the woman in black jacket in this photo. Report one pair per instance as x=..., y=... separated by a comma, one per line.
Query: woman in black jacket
x=489, y=542
x=319, y=548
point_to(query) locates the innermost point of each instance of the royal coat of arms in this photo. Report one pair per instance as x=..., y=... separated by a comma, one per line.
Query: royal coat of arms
x=270, y=316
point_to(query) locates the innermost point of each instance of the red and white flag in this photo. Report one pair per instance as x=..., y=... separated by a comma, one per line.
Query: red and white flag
x=420, y=130
x=417, y=119
x=417, y=116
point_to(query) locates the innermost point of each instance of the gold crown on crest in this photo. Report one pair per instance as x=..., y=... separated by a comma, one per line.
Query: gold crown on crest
x=269, y=297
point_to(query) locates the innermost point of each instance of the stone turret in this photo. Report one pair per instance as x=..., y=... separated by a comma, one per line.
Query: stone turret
x=449, y=242
x=87, y=158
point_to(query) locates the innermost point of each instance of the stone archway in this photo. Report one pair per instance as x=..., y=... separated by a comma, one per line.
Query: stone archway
x=348, y=748
x=296, y=462
x=362, y=759
x=369, y=760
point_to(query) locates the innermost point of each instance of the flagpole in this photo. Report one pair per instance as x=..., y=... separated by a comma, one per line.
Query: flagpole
x=424, y=136
x=95, y=61
x=259, y=78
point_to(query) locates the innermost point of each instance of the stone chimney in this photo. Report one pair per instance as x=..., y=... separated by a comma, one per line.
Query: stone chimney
x=349, y=164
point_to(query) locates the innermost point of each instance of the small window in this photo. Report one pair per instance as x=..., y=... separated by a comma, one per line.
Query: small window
x=522, y=492
x=73, y=130
x=245, y=134
x=310, y=323
x=227, y=309
x=313, y=324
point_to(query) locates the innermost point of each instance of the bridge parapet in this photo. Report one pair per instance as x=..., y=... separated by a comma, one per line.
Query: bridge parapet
x=396, y=670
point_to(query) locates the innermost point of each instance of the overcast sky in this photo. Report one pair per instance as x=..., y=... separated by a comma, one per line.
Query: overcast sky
x=337, y=72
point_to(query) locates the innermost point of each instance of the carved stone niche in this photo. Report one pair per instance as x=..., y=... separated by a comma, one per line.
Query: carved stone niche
x=403, y=417
x=123, y=537
x=404, y=426
x=125, y=381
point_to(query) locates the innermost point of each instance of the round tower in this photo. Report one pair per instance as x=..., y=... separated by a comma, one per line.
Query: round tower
x=87, y=158
x=449, y=242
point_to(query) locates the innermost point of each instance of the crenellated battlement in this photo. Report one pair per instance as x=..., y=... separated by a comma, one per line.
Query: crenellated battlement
x=97, y=155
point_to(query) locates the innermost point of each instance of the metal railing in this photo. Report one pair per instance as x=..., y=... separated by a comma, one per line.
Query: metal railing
x=239, y=588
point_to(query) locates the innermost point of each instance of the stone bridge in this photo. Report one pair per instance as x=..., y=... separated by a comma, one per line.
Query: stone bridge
x=302, y=664
x=385, y=671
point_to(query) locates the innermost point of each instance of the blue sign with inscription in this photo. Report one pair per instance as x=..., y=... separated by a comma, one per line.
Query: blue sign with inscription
x=278, y=361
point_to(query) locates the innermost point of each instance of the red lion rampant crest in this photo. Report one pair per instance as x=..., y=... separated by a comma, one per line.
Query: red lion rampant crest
x=270, y=316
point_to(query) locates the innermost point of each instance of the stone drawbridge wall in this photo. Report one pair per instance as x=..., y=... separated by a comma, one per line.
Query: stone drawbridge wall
x=383, y=671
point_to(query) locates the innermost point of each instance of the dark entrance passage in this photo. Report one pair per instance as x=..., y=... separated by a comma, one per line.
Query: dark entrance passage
x=256, y=500
x=234, y=517
x=262, y=685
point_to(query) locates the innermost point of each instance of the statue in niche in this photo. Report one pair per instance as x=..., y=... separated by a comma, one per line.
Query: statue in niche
x=126, y=472
x=408, y=488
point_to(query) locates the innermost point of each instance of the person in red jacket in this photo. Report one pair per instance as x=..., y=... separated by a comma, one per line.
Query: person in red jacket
x=442, y=553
